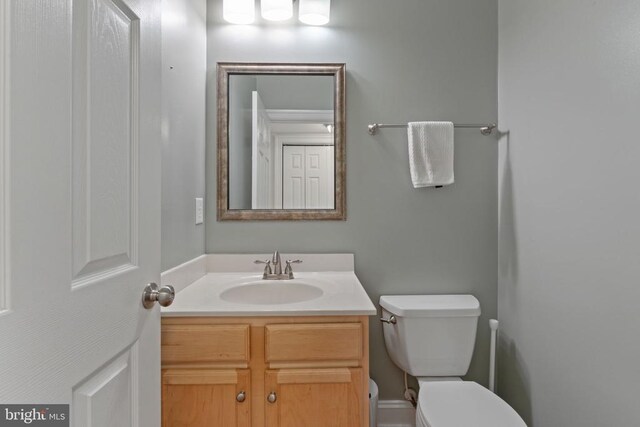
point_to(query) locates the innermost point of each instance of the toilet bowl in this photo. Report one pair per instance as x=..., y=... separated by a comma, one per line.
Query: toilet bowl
x=462, y=403
x=432, y=337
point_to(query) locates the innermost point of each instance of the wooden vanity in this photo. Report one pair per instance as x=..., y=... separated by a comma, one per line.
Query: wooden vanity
x=284, y=371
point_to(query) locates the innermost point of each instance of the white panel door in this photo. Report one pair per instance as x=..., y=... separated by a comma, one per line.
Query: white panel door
x=308, y=177
x=80, y=207
x=293, y=185
x=261, y=148
x=318, y=176
x=331, y=178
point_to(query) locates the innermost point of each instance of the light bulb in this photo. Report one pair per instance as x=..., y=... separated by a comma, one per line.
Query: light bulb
x=314, y=12
x=276, y=10
x=239, y=11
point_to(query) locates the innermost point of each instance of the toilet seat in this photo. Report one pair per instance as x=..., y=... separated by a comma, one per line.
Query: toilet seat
x=463, y=403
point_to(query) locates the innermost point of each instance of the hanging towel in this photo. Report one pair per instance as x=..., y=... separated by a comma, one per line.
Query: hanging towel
x=431, y=153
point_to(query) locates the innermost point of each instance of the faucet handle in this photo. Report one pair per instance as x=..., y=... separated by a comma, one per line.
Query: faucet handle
x=267, y=267
x=288, y=270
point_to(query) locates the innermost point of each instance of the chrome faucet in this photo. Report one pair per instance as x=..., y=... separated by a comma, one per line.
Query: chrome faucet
x=277, y=264
x=273, y=268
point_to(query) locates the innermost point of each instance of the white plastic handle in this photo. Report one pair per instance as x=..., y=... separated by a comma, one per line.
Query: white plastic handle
x=493, y=324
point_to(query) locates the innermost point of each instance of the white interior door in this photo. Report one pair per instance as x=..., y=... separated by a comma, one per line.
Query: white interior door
x=261, y=149
x=308, y=177
x=317, y=177
x=80, y=207
x=293, y=186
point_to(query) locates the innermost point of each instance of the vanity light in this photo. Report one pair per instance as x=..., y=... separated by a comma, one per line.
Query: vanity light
x=239, y=11
x=276, y=10
x=314, y=12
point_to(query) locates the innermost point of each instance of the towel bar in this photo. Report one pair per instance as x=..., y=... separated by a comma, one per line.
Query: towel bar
x=484, y=129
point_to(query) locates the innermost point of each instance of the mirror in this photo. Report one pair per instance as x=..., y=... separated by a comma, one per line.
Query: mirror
x=281, y=141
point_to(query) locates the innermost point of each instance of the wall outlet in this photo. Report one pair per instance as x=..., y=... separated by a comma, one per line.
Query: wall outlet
x=199, y=210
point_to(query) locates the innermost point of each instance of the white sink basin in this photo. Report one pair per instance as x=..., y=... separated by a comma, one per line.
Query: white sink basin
x=232, y=285
x=272, y=292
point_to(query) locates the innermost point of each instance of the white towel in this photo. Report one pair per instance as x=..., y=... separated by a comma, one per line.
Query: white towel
x=431, y=153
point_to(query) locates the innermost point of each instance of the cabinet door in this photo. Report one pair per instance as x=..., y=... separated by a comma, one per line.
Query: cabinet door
x=205, y=398
x=329, y=397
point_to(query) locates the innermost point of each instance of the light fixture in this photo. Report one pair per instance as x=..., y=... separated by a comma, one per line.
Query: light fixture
x=314, y=12
x=239, y=11
x=276, y=10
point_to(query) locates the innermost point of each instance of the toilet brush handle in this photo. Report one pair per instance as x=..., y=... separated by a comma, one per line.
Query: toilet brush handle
x=493, y=324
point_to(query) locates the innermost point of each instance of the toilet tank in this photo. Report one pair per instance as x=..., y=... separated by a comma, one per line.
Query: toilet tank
x=433, y=335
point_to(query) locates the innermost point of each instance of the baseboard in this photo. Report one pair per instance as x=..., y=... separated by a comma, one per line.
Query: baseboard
x=396, y=413
x=185, y=274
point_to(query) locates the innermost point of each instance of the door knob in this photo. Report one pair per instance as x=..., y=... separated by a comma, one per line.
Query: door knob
x=241, y=396
x=272, y=397
x=163, y=295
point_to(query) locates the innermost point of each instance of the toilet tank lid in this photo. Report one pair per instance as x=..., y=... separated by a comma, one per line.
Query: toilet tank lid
x=431, y=305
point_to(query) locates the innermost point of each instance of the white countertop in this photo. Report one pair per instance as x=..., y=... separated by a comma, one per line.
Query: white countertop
x=342, y=292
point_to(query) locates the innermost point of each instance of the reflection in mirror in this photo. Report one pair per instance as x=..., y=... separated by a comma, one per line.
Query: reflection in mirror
x=281, y=143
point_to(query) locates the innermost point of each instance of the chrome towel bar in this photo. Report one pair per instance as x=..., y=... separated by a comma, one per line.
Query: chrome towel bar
x=486, y=129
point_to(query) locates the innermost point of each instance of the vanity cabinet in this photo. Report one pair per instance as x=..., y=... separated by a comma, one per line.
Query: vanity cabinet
x=265, y=371
x=315, y=397
x=187, y=395
x=205, y=375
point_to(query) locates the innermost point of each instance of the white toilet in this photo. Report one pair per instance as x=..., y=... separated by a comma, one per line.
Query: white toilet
x=432, y=337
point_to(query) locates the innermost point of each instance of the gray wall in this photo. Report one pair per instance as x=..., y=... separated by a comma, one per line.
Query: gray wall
x=183, y=128
x=241, y=90
x=570, y=211
x=296, y=92
x=431, y=60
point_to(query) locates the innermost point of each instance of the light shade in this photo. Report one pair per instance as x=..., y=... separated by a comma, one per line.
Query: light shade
x=314, y=12
x=239, y=11
x=276, y=10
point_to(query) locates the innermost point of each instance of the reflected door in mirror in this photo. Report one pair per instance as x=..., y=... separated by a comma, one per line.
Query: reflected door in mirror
x=262, y=173
x=308, y=177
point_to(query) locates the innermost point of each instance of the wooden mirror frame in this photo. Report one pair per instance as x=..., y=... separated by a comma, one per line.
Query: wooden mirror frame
x=224, y=70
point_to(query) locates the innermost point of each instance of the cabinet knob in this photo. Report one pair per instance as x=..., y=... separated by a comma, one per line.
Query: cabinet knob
x=241, y=396
x=272, y=397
